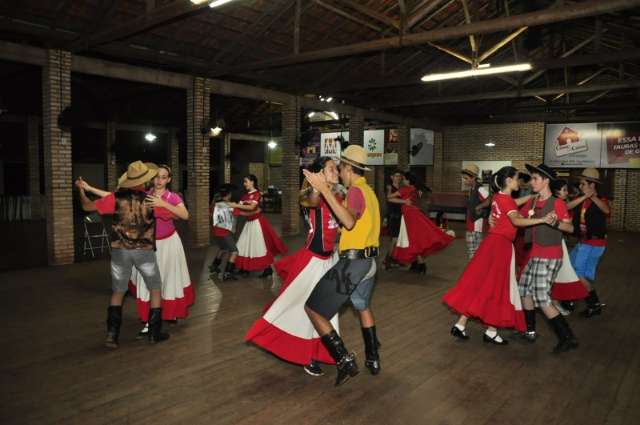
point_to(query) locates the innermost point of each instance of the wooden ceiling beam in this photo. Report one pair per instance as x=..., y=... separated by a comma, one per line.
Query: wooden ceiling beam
x=347, y=15
x=159, y=16
x=422, y=12
x=541, y=17
x=514, y=94
x=367, y=11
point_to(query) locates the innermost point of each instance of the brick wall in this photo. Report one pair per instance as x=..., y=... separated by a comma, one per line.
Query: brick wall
x=290, y=168
x=403, y=147
x=519, y=143
x=198, y=103
x=174, y=160
x=111, y=167
x=56, y=95
x=33, y=165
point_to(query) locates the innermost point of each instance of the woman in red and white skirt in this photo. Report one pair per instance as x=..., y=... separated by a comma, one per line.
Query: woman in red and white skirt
x=285, y=329
x=177, y=290
x=568, y=286
x=258, y=243
x=488, y=289
x=419, y=237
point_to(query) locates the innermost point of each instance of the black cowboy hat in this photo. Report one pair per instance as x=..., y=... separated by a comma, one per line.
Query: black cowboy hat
x=543, y=170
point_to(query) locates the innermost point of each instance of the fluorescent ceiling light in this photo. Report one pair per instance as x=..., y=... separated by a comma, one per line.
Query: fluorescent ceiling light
x=329, y=99
x=272, y=144
x=333, y=115
x=199, y=1
x=311, y=114
x=490, y=144
x=217, y=3
x=150, y=137
x=477, y=72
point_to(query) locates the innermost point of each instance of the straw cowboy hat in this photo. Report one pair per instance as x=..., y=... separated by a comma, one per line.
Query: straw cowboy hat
x=355, y=156
x=543, y=170
x=591, y=174
x=138, y=173
x=471, y=170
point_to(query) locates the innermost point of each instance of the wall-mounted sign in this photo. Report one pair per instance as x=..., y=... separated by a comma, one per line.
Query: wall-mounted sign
x=599, y=145
x=391, y=147
x=330, y=143
x=421, y=147
x=374, y=145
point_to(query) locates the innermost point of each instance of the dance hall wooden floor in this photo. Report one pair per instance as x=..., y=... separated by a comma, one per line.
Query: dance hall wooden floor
x=53, y=369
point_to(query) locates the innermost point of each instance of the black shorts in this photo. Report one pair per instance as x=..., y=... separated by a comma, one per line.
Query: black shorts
x=393, y=225
x=227, y=243
x=347, y=279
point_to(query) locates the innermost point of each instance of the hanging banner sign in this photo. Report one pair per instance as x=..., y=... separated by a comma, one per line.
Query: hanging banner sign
x=391, y=147
x=572, y=145
x=374, y=146
x=620, y=145
x=330, y=143
x=421, y=147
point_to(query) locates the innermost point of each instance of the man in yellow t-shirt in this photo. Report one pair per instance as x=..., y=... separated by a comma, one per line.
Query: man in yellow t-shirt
x=353, y=276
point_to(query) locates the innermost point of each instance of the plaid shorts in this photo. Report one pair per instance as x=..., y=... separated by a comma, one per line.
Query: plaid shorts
x=537, y=279
x=473, y=242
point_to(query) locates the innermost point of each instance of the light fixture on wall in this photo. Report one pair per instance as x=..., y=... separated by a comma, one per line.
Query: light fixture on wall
x=485, y=69
x=489, y=144
x=272, y=144
x=311, y=114
x=150, y=137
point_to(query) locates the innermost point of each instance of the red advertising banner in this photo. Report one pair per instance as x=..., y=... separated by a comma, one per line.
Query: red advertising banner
x=620, y=145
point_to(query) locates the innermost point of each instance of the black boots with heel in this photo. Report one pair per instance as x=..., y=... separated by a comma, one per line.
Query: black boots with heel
x=345, y=361
x=566, y=340
x=371, y=345
x=114, y=321
x=155, y=326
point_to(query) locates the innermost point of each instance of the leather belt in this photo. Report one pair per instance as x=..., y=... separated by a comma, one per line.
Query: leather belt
x=356, y=254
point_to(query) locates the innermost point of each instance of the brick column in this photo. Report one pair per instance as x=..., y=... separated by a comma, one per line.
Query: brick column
x=632, y=204
x=227, y=157
x=403, y=146
x=56, y=93
x=33, y=165
x=110, y=168
x=438, y=162
x=198, y=162
x=356, y=129
x=290, y=168
x=173, y=160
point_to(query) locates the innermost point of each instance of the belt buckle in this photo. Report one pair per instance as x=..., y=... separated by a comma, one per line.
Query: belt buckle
x=367, y=252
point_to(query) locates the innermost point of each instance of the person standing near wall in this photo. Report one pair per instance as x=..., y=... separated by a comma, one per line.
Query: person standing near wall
x=590, y=223
x=477, y=208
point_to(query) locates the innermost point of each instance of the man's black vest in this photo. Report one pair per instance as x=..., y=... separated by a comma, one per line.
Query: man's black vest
x=595, y=220
x=472, y=203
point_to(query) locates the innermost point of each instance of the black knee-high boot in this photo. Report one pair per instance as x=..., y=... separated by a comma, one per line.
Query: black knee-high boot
x=593, y=305
x=215, y=266
x=345, y=361
x=114, y=321
x=155, y=326
x=371, y=350
x=566, y=339
x=230, y=272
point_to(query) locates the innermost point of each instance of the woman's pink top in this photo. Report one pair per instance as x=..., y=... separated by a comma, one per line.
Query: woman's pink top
x=164, y=218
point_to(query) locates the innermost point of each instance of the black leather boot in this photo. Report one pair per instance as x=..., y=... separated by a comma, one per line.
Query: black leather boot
x=594, y=307
x=114, y=320
x=230, y=272
x=530, y=317
x=215, y=266
x=566, y=340
x=155, y=326
x=345, y=361
x=372, y=361
x=267, y=272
